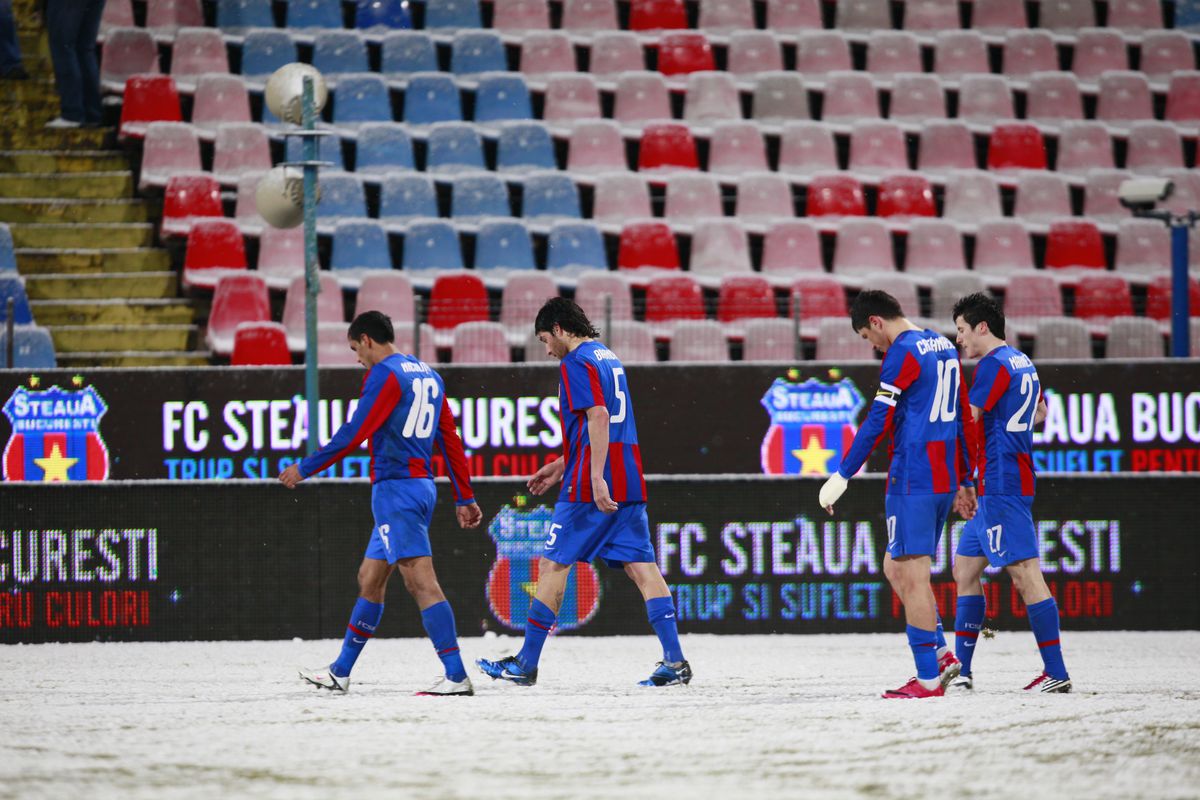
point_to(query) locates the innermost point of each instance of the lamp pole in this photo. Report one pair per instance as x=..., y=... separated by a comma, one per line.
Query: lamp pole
x=312, y=281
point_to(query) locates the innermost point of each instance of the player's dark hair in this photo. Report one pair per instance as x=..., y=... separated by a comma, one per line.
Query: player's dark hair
x=980, y=307
x=567, y=315
x=374, y=324
x=873, y=303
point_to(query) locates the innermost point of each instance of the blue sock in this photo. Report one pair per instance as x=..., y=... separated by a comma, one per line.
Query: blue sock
x=661, y=611
x=364, y=619
x=941, y=634
x=438, y=620
x=924, y=648
x=537, y=628
x=968, y=622
x=1043, y=618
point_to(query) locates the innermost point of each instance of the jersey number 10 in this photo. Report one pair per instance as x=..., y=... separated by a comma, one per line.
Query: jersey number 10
x=949, y=375
x=424, y=406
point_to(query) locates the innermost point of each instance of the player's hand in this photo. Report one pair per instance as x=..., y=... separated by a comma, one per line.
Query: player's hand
x=546, y=477
x=966, y=503
x=291, y=476
x=603, y=499
x=832, y=491
x=469, y=516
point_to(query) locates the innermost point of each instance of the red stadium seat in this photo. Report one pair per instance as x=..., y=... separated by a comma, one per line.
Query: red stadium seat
x=790, y=16
x=1052, y=97
x=737, y=147
x=1154, y=147
x=389, y=292
x=680, y=53
x=1103, y=297
x=596, y=291
x=838, y=195
x=649, y=243
x=196, y=52
x=188, y=198
x=237, y=299
x=1002, y=245
x=863, y=246
x=127, y=52
x=892, y=52
x=1027, y=51
x=916, y=98
x=972, y=197
x=1166, y=52
x=817, y=297
x=907, y=195
x=934, y=246
x=1135, y=15
x=457, y=298
x=946, y=145
x=214, y=247
x=1074, y=243
x=806, y=148
x=877, y=146
x=673, y=297
x=1158, y=298
x=745, y=297
x=620, y=196
x=260, y=344
x=589, y=15
x=1067, y=15
x=985, y=99
x=480, y=343
x=958, y=53
x=1124, y=97
x=1016, y=145
x=1183, y=97
x=1030, y=296
x=330, y=309
x=726, y=15
x=667, y=146
x=1042, y=197
x=648, y=15
x=169, y=148
x=792, y=246
x=699, y=340
x=148, y=98
x=641, y=96
x=930, y=15
x=1084, y=146
x=720, y=247
x=1097, y=51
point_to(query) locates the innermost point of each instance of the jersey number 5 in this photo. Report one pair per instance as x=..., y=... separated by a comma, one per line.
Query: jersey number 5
x=618, y=373
x=424, y=406
x=943, y=408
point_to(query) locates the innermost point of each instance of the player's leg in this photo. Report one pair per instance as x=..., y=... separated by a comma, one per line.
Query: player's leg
x=373, y=576
x=437, y=616
x=969, y=609
x=660, y=610
x=909, y=576
x=1043, y=619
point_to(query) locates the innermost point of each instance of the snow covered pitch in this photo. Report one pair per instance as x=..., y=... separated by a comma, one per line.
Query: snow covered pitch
x=767, y=716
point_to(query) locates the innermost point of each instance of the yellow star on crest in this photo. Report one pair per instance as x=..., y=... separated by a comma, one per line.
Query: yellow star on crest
x=530, y=587
x=55, y=465
x=814, y=459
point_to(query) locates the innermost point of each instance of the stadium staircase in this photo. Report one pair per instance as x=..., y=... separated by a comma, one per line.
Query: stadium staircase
x=85, y=244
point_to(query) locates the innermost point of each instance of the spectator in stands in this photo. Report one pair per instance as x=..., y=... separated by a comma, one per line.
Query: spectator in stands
x=73, y=26
x=11, y=68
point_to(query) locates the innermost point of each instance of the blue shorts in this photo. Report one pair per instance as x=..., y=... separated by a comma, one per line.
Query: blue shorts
x=915, y=522
x=403, y=509
x=582, y=532
x=1002, y=530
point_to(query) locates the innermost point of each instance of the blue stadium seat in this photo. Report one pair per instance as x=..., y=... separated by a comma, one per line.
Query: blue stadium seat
x=454, y=146
x=387, y=13
x=329, y=148
x=342, y=196
x=502, y=97
x=12, y=287
x=406, y=52
x=480, y=195
x=572, y=245
x=1187, y=15
x=337, y=52
x=236, y=14
x=361, y=98
x=503, y=244
x=314, y=14
x=550, y=194
x=432, y=244
x=32, y=348
x=525, y=146
x=453, y=14
x=431, y=97
x=403, y=196
x=8, y=259
x=473, y=52
x=360, y=244
x=383, y=147
x=264, y=51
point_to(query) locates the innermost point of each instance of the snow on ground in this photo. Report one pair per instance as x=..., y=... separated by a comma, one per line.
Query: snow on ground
x=767, y=716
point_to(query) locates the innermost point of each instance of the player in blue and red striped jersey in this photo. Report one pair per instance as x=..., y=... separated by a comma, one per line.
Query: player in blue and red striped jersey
x=404, y=413
x=601, y=510
x=1006, y=400
x=918, y=405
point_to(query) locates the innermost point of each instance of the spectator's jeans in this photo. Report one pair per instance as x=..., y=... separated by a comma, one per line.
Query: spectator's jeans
x=73, y=26
x=10, y=51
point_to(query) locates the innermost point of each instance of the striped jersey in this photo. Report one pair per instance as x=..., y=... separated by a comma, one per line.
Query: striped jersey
x=404, y=412
x=919, y=404
x=1006, y=387
x=592, y=375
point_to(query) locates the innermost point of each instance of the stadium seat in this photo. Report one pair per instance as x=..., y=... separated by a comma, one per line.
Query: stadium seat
x=1186, y=195
x=523, y=15
x=407, y=196
x=673, y=297
x=382, y=14
x=313, y=14
x=1103, y=297
x=863, y=246
x=362, y=98
x=329, y=149
x=214, y=248
x=264, y=51
x=863, y=15
x=711, y=97
x=616, y=52
x=453, y=14
x=699, y=340
x=667, y=146
x=806, y=148
x=456, y=299
x=633, y=342
x=996, y=16
x=474, y=52
x=167, y=16
x=1134, y=337
x=901, y=287
x=480, y=342
x=117, y=14
x=1053, y=97
x=720, y=247
x=1031, y=296
x=218, y=99
x=1084, y=146
x=1062, y=338
x=13, y=288
x=917, y=98
x=958, y=53
x=596, y=146
x=945, y=145
x=837, y=342
x=1159, y=298
x=546, y=52
x=8, y=258
x=333, y=346
x=360, y=244
x=890, y=52
x=1098, y=50
x=822, y=52
x=1002, y=246
x=1016, y=145
x=342, y=196
x=817, y=297
x=726, y=16
x=905, y=195
x=148, y=98
x=382, y=147
x=1124, y=97
x=432, y=244
x=169, y=148
x=791, y=16
x=692, y=196
x=1027, y=52
x=389, y=292
x=575, y=246
x=550, y=195
x=877, y=146
x=454, y=147
x=473, y=197
x=127, y=52
x=1100, y=198
x=849, y=97
x=1183, y=97
x=236, y=299
x=835, y=195
x=330, y=309
x=589, y=15
x=503, y=244
x=602, y=293
x=736, y=148
x=620, y=196
x=930, y=15
x=792, y=246
x=647, y=243
x=337, y=51
x=1067, y=15
x=501, y=97
x=779, y=97
x=684, y=52
x=280, y=255
x=770, y=340
x=741, y=297
x=196, y=52
x=408, y=52
x=187, y=198
x=522, y=297
x=1134, y=15
x=1074, y=243
x=1143, y=247
x=523, y=147
x=237, y=15
x=753, y=52
x=649, y=15
x=1153, y=148
x=971, y=197
x=431, y=97
x=641, y=97
x=763, y=197
x=33, y=348
x=1166, y=52
x=571, y=97
x=1042, y=197
x=260, y=344
x=985, y=99
x=948, y=288
x=934, y=246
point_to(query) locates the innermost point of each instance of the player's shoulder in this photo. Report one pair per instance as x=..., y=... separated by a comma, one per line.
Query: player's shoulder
x=405, y=365
x=595, y=352
x=1009, y=359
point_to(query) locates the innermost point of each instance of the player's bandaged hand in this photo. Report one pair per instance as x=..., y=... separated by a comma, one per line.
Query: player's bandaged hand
x=832, y=491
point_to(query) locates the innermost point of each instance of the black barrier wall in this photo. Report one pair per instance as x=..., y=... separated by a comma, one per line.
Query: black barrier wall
x=203, y=560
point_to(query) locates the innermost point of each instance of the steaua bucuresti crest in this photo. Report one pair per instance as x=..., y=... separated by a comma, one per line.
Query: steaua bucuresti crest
x=520, y=537
x=812, y=425
x=55, y=435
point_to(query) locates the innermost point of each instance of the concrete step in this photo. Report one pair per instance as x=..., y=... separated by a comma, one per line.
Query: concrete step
x=136, y=358
x=92, y=261
x=34, y=42
x=55, y=211
x=57, y=139
x=118, y=311
x=28, y=117
x=137, y=285
x=38, y=89
x=112, y=235
x=59, y=162
x=109, y=338
x=76, y=185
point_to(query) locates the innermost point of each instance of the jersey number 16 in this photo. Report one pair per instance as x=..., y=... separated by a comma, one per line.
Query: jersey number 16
x=419, y=422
